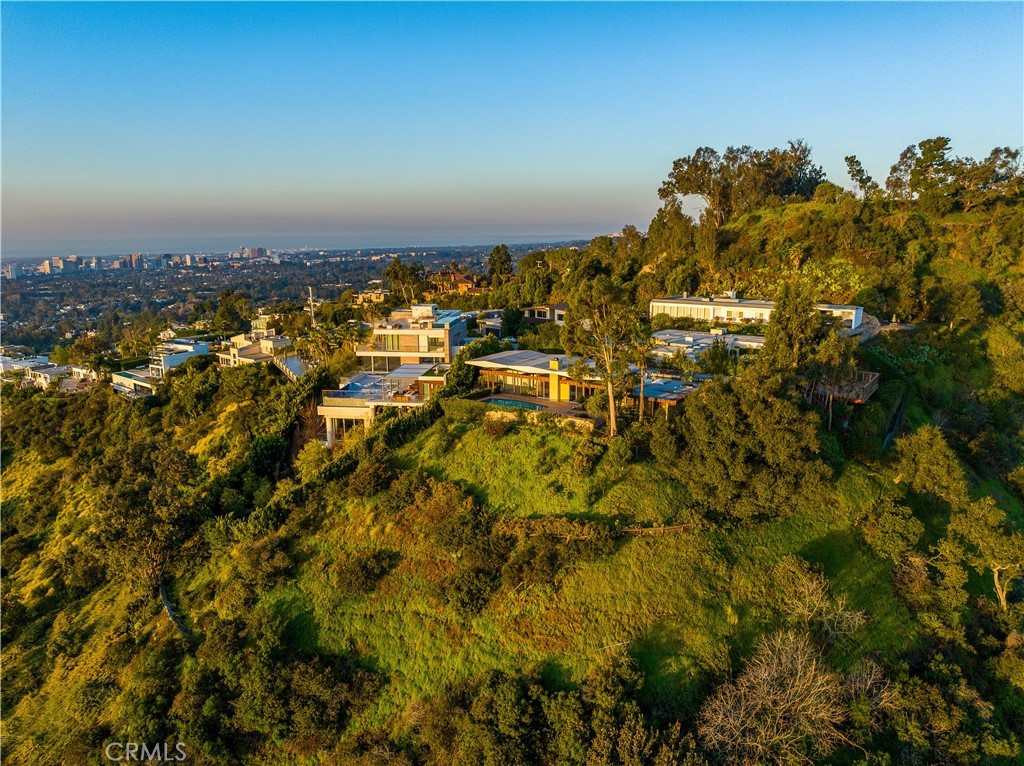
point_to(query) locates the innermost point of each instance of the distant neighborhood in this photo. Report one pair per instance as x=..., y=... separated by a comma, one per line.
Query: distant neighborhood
x=404, y=354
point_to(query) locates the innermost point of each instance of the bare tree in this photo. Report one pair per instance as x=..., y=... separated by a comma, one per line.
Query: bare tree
x=806, y=601
x=786, y=706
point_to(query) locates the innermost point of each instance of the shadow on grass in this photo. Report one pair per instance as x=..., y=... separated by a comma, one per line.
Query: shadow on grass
x=672, y=687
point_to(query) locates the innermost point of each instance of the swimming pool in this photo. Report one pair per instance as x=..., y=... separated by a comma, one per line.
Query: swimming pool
x=515, y=403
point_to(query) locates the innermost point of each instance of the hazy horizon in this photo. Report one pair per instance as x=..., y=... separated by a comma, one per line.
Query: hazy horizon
x=181, y=245
x=127, y=126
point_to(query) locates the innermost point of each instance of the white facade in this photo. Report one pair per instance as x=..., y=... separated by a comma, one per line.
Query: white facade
x=733, y=309
x=170, y=354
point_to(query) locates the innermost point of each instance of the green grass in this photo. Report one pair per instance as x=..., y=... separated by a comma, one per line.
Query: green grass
x=687, y=606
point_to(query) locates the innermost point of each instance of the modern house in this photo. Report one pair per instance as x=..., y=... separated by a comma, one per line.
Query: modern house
x=729, y=308
x=693, y=344
x=252, y=347
x=421, y=334
x=358, y=399
x=547, y=377
x=543, y=314
x=43, y=375
x=372, y=296
x=532, y=373
x=170, y=354
x=135, y=384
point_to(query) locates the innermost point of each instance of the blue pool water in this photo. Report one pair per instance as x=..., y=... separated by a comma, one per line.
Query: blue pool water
x=515, y=403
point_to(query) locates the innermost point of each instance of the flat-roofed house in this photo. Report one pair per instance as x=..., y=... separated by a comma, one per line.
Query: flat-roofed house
x=43, y=375
x=357, y=400
x=729, y=308
x=252, y=347
x=170, y=354
x=136, y=383
x=543, y=314
x=420, y=334
x=548, y=377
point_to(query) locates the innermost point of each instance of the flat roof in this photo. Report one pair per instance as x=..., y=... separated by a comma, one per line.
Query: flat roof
x=666, y=389
x=523, y=360
x=409, y=371
x=699, y=300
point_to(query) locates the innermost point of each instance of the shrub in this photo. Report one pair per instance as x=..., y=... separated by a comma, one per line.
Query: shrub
x=360, y=574
x=463, y=409
x=469, y=590
x=312, y=458
x=402, y=492
x=664, y=448
x=620, y=451
x=496, y=427
x=585, y=457
x=370, y=477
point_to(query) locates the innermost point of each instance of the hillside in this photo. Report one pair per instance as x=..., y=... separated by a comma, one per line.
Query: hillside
x=767, y=577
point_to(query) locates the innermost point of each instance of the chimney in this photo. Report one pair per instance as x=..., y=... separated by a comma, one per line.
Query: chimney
x=554, y=363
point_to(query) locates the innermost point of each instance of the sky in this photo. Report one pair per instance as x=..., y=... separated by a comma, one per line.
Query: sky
x=175, y=127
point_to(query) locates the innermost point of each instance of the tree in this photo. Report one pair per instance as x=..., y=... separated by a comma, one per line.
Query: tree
x=897, y=185
x=89, y=351
x=835, y=368
x=147, y=510
x=990, y=544
x=600, y=324
x=312, y=458
x=641, y=344
x=512, y=322
x=499, y=265
x=748, y=451
x=60, y=355
x=860, y=177
x=930, y=178
x=785, y=703
x=717, y=359
x=461, y=376
x=233, y=312
x=927, y=465
x=891, y=528
x=794, y=330
x=403, y=279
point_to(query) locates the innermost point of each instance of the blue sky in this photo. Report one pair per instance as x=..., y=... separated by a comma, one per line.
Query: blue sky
x=185, y=126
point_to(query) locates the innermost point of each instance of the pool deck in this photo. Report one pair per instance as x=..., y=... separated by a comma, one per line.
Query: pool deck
x=571, y=409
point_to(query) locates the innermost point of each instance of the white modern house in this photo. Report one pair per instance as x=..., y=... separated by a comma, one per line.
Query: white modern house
x=730, y=308
x=420, y=334
x=170, y=354
x=357, y=400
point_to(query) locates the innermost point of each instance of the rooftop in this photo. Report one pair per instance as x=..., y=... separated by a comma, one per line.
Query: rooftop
x=525, y=361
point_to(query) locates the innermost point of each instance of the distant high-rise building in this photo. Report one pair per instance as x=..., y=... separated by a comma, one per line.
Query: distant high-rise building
x=94, y=263
x=135, y=261
x=45, y=267
x=254, y=252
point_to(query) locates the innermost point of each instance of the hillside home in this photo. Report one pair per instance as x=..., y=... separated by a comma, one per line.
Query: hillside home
x=252, y=347
x=547, y=377
x=693, y=344
x=136, y=383
x=421, y=334
x=357, y=400
x=729, y=308
x=543, y=314
x=170, y=354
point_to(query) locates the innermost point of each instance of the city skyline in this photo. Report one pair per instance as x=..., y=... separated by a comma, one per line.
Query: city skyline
x=175, y=127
